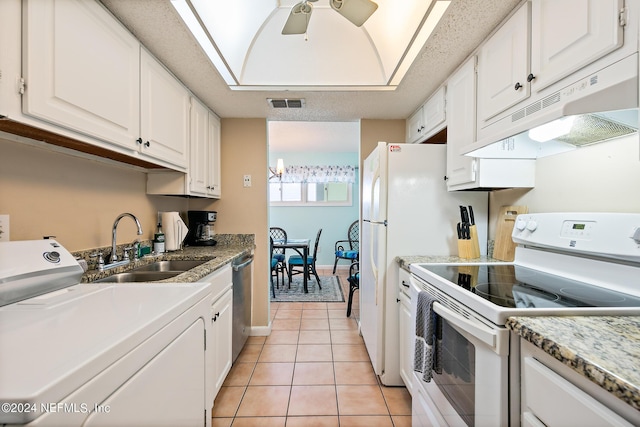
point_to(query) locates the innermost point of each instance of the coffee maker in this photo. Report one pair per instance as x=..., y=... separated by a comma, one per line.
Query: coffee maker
x=201, y=231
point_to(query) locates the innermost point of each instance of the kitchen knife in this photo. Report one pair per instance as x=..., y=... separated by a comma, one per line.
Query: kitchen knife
x=459, y=227
x=464, y=215
x=472, y=219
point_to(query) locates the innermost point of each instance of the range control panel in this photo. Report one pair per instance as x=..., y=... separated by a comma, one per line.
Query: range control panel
x=611, y=235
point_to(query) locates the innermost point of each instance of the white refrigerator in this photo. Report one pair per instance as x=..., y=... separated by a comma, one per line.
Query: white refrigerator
x=406, y=210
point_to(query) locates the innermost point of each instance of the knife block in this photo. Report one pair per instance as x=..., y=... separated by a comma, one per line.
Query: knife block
x=469, y=248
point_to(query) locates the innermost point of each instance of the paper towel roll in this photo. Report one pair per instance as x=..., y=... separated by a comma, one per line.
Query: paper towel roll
x=175, y=230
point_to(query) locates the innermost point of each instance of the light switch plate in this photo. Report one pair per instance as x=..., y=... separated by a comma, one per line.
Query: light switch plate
x=4, y=228
x=247, y=180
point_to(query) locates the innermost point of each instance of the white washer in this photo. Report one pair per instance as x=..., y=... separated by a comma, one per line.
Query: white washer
x=98, y=354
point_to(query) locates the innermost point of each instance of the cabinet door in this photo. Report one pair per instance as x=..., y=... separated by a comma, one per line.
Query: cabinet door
x=407, y=335
x=503, y=67
x=434, y=112
x=221, y=325
x=215, y=182
x=561, y=46
x=461, y=128
x=198, y=149
x=164, y=113
x=415, y=126
x=82, y=70
x=167, y=391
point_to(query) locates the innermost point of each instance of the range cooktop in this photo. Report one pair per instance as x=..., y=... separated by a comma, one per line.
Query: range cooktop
x=515, y=286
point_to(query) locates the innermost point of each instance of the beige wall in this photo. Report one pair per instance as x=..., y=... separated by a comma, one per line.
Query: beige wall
x=603, y=177
x=74, y=199
x=244, y=209
x=373, y=131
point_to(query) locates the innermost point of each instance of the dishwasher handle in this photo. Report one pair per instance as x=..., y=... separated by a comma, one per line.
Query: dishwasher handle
x=238, y=267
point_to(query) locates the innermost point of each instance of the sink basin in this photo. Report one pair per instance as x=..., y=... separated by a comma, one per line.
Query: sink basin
x=179, y=265
x=138, y=276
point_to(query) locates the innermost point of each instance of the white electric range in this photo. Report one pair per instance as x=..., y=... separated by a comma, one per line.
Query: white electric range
x=97, y=354
x=565, y=264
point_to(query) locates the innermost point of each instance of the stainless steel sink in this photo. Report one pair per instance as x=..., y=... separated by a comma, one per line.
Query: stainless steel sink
x=139, y=276
x=172, y=265
x=158, y=270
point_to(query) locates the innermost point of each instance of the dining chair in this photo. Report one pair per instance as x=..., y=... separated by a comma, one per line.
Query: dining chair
x=353, y=245
x=274, y=267
x=354, y=283
x=278, y=233
x=296, y=263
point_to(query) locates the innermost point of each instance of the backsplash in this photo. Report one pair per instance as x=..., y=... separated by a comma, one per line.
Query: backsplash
x=222, y=239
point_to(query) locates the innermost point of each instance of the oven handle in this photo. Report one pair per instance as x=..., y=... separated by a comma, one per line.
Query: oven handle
x=476, y=329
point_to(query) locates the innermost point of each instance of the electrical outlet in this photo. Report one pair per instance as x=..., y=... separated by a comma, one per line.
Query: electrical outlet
x=4, y=228
x=247, y=180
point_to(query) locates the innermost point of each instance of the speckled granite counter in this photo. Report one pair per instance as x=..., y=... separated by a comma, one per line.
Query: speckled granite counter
x=604, y=349
x=404, y=261
x=229, y=247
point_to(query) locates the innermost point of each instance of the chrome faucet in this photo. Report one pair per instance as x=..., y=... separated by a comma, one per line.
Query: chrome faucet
x=114, y=257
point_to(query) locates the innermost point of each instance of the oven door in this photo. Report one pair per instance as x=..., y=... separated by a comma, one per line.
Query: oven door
x=472, y=388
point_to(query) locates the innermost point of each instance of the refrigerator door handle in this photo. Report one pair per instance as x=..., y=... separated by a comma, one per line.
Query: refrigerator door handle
x=374, y=268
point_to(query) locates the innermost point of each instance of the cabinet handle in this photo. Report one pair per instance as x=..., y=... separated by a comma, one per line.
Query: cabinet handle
x=139, y=140
x=147, y=144
x=397, y=300
x=530, y=77
x=517, y=86
x=446, y=178
x=405, y=284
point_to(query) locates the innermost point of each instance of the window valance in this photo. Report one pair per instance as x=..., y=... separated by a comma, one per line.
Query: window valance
x=320, y=174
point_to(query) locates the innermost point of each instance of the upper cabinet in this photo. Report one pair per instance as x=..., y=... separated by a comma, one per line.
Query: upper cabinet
x=464, y=172
x=561, y=46
x=90, y=84
x=203, y=175
x=102, y=84
x=164, y=113
x=428, y=119
x=541, y=43
x=503, y=66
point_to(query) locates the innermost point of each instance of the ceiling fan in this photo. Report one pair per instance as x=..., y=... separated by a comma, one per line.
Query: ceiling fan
x=356, y=11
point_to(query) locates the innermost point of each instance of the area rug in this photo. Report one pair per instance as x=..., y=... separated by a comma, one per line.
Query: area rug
x=331, y=290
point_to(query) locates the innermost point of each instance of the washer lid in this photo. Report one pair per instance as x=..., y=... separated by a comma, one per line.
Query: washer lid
x=52, y=344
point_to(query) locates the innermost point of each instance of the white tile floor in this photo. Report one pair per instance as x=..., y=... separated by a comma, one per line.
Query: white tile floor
x=313, y=370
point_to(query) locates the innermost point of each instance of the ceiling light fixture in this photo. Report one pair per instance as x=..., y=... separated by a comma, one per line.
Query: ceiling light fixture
x=278, y=171
x=356, y=11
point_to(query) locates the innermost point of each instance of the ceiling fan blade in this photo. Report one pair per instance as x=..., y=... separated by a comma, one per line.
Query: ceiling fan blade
x=298, y=19
x=356, y=11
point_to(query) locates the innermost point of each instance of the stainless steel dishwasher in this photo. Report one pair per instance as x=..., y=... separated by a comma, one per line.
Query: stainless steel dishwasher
x=241, y=303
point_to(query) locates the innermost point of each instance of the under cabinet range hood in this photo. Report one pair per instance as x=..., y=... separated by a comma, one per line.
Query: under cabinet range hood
x=593, y=108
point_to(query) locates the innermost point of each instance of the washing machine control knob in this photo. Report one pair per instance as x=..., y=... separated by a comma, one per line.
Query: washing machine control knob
x=532, y=225
x=521, y=224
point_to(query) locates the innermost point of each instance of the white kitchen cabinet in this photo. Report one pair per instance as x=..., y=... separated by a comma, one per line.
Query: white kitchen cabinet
x=541, y=43
x=222, y=326
x=215, y=181
x=464, y=172
x=202, y=179
x=567, y=35
x=554, y=395
x=415, y=126
x=428, y=119
x=219, y=330
x=503, y=66
x=164, y=113
x=407, y=331
x=90, y=84
x=461, y=129
x=85, y=72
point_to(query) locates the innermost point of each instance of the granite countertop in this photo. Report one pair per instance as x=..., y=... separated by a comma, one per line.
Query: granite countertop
x=405, y=261
x=604, y=349
x=228, y=248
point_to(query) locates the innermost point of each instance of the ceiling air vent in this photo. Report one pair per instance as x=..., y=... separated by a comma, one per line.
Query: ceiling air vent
x=286, y=103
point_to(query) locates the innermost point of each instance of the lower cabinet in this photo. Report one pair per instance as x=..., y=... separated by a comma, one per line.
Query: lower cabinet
x=219, y=330
x=221, y=327
x=406, y=331
x=552, y=394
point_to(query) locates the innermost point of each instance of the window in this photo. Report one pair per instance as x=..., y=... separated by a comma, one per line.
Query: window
x=310, y=194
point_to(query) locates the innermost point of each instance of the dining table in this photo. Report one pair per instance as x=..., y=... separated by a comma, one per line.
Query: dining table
x=301, y=246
